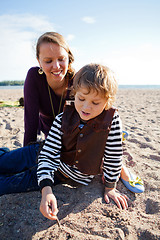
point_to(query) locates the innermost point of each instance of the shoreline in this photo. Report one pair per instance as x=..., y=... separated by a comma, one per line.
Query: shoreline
x=120, y=86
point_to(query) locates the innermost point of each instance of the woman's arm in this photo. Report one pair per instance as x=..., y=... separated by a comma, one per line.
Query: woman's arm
x=31, y=106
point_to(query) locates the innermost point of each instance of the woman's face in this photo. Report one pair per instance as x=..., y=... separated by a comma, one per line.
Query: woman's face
x=54, y=61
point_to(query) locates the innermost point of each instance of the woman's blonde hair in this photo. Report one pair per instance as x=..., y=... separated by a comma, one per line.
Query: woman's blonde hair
x=99, y=78
x=54, y=37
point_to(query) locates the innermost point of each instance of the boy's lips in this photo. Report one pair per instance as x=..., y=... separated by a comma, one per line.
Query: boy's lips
x=85, y=113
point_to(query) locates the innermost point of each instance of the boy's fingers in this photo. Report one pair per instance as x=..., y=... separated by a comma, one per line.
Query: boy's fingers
x=53, y=210
x=53, y=217
x=117, y=202
x=106, y=198
x=125, y=197
x=123, y=202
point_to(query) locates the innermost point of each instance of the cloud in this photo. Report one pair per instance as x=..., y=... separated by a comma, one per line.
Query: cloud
x=25, y=22
x=19, y=34
x=70, y=37
x=136, y=65
x=88, y=19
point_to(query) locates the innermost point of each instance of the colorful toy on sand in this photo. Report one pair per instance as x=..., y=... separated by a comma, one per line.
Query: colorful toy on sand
x=124, y=135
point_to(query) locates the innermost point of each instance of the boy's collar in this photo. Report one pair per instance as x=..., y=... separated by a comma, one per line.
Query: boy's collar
x=83, y=121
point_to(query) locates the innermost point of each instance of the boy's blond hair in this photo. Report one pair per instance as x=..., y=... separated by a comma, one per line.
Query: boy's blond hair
x=99, y=78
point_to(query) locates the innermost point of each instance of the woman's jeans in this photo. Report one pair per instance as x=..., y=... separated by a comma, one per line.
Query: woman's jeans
x=18, y=169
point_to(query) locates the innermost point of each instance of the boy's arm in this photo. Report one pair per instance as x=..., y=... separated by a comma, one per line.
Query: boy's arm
x=113, y=162
x=49, y=157
x=48, y=163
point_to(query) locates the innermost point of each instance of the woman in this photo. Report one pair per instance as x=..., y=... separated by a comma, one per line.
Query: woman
x=46, y=88
x=45, y=91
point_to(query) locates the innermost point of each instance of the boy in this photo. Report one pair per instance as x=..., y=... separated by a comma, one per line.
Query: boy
x=84, y=140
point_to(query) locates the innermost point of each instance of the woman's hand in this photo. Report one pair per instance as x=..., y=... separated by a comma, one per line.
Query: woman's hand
x=118, y=198
x=48, y=205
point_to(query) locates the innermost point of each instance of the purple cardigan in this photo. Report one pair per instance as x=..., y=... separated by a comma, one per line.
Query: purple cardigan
x=38, y=115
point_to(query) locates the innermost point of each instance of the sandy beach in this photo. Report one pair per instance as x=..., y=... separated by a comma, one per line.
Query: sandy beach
x=83, y=214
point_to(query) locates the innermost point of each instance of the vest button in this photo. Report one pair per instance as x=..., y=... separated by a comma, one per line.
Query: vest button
x=81, y=126
x=76, y=161
x=81, y=135
x=79, y=150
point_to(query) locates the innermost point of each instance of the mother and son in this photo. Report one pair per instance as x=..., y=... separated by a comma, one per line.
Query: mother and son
x=82, y=129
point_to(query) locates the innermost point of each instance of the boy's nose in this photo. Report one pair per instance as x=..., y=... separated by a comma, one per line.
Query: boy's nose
x=86, y=106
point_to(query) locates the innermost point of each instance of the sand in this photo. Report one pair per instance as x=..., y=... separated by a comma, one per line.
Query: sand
x=83, y=213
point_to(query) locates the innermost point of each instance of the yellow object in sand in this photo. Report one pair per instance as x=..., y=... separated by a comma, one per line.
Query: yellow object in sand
x=9, y=103
x=124, y=136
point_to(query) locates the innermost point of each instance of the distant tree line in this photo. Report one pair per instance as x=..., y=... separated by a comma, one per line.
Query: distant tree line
x=11, y=83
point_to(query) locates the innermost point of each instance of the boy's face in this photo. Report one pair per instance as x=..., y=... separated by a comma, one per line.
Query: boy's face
x=89, y=105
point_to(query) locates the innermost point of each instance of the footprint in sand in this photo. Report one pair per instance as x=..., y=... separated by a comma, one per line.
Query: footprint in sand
x=147, y=234
x=152, y=206
x=17, y=144
x=8, y=126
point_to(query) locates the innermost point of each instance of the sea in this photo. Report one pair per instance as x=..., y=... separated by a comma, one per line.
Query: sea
x=120, y=87
x=139, y=86
x=11, y=87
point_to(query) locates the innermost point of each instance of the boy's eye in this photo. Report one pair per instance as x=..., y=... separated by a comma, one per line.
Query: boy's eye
x=95, y=103
x=81, y=99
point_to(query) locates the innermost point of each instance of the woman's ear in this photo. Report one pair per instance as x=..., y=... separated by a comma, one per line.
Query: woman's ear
x=38, y=62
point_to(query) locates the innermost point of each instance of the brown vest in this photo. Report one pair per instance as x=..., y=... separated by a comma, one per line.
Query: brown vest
x=84, y=147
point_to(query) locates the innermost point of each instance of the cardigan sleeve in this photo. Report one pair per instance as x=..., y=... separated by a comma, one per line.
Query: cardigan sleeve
x=112, y=163
x=31, y=106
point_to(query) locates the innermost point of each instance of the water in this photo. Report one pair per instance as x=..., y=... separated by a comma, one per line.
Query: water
x=139, y=86
x=11, y=87
x=120, y=87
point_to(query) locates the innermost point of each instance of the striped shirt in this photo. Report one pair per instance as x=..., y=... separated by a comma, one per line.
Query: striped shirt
x=49, y=157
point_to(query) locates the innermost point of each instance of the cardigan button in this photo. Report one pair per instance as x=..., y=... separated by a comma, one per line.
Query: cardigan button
x=79, y=150
x=81, y=135
x=76, y=161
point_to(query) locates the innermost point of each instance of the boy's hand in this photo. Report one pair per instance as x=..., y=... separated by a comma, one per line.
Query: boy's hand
x=118, y=198
x=48, y=205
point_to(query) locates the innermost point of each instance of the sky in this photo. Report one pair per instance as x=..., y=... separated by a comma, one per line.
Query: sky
x=121, y=34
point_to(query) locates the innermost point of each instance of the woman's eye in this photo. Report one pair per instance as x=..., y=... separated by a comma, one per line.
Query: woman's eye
x=61, y=59
x=49, y=61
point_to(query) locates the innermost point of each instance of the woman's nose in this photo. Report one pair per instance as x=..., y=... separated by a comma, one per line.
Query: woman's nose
x=55, y=64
